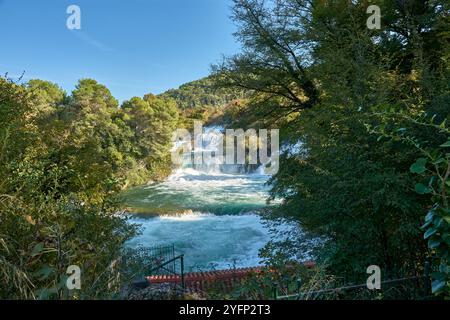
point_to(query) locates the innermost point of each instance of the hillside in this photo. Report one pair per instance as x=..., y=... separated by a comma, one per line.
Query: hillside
x=201, y=93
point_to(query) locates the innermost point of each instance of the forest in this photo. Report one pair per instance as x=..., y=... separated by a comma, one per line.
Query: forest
x=369, y=107
x=64, y=159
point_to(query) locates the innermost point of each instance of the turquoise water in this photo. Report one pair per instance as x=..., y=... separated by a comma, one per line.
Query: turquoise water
x=208, y=211
x=210, y=217
x=189, y=189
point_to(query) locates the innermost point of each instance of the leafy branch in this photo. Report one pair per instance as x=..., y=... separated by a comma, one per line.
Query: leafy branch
x=433, y=167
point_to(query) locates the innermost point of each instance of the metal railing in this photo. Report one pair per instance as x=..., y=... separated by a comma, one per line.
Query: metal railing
x=413, y=287
x=163, y=267
x=164, y=261
x=160, y=254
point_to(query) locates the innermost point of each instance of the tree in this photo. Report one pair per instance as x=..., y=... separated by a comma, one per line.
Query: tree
x=275, y=59
x=48, y=95
x=63, y=161
x=46, y=221
x=152, y=120
x=320, y=74
x=433, y=169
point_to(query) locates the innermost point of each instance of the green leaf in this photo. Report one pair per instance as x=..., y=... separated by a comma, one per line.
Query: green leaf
x=437, y=275
x=423, y=189
x=433, y=244
x=45, y=293
x=446, y=145
x=42, y=294
x=429, y=216
x=426, y=225
x=62, y=283
x=439, y=161
x=429, y=233
x=443, y=268
x=447, y=219
x=44, y=272
x=438, y=222
x=437, y=286
x=419, y=166
x=446, y=238
x=37, y=249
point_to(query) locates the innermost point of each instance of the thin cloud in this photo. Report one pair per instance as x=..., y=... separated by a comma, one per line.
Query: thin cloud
x=91, y=41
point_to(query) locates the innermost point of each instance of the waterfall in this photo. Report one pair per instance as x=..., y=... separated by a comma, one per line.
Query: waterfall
x=207, y=155
x=208, y=210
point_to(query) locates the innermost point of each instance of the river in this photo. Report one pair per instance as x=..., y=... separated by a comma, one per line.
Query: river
x=208, y=212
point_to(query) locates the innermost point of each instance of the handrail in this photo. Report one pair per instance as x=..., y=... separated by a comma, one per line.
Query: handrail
x=161, y=266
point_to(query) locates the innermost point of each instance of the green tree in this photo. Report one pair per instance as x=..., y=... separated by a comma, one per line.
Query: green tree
x=317, y=72
x=433, y=171
x=63, y=161
x=47, y=224
x=152, y=121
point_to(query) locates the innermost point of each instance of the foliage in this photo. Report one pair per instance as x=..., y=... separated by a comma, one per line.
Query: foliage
x=62, y=161
x=434, y=171
x=152, y=121
x=202, y=93
x=319, y=74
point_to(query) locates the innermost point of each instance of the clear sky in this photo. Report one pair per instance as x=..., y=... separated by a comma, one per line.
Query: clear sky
x=132, y=46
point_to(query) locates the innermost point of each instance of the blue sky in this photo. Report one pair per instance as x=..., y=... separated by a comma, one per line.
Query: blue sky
x=132, y=46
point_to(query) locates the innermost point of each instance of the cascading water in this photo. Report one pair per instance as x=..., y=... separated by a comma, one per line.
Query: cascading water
x=207, y=211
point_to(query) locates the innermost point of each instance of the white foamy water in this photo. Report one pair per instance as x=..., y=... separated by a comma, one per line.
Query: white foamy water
x=221, y=229
x=207, y=240
x=213, y=192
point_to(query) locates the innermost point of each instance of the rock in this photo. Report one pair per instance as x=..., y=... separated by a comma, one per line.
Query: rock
x=163, y=291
